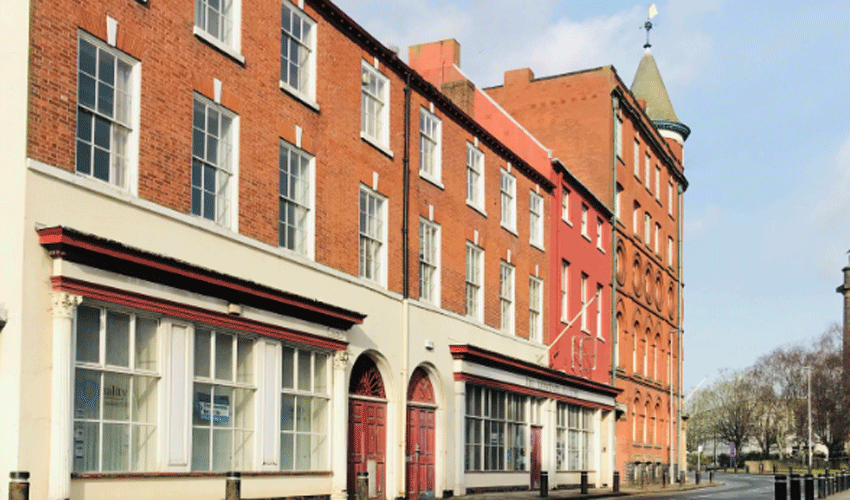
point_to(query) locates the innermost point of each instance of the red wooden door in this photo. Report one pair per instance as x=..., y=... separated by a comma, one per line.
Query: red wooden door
x=420, y=453
x=367, y=430
x=367, y=444
x=535, y=458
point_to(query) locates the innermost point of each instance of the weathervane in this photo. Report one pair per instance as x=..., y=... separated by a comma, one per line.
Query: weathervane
x=653, y=11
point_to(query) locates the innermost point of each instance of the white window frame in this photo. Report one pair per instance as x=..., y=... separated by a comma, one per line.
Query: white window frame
x=657, y=183
x=430, y=134
x=647, y=170
x=474, y=177
x=374, y=107
x=635, y=215
x=637, y=158
x=565, y=205
x=584, y=282
x=230, y=45
x=374, y=235
x=301, y=200
x=670, y=198
x=303, y=40
x=657, y=233
x=535, y=219
x=474, y=281
x=248, y=384
x=584, y=210
x=429, y=261
x=507, y=189
x=670, y=251
x=317, y=392
x=599, y=234
x=599, y=311
x=565, y=291
x=647, y=227
x=102, y=368
x=535, y=309
x=618, y=201
x=226, y=195
x=122, y=120
x=507, y=298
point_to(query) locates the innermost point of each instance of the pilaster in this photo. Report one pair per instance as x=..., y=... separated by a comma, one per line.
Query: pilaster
x=339, y=451
x=59, y=482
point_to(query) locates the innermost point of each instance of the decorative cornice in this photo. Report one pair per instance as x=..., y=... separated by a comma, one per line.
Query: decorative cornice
x=116, y=257
x=679, y=128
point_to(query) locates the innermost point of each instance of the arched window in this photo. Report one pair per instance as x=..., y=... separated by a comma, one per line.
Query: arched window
x=366, y=379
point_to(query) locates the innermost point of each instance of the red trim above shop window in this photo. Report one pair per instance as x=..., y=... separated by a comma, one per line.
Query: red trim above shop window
x=497, y=384
x=142, y=302
x=100, y=253
x=484, y=357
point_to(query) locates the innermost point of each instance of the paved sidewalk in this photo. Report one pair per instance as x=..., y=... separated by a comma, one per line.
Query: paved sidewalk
x=594, y=492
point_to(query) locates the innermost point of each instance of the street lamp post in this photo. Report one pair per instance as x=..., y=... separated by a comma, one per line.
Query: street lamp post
x=809, y=373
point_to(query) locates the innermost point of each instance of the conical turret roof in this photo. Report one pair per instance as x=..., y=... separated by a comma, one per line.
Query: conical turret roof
x=649, y=86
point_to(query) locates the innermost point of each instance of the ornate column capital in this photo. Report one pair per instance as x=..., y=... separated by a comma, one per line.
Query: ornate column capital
x=341, y=360
x=64, y=303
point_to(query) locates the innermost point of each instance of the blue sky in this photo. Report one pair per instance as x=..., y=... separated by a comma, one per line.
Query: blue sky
x=763, y=86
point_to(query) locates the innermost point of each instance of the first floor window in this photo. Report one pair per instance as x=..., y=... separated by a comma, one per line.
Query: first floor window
x=304, y=415
x=508, y=196
x=105, y=118
x=115, y=398
x=429, y=144
x=535, y=309
x=474, y=281
x=213, y=159
x=506, y=296
x=297, y=47
x=372, y=235
x=223, y=402
x=429, y=254
x=295, y=222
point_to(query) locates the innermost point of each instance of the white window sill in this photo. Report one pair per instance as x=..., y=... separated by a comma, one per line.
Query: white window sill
x=586, y=237
x=375, y=144
x=433, y=180
x=299, y=95
x=537, y=245
x=600, y=249
x=509, y=229
x=477, y=208
x=218, y=44
x=567, y=222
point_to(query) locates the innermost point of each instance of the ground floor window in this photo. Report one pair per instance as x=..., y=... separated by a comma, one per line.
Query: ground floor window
x=115, y=391
x=496, y=429
x=129, y=371
x=574, y=437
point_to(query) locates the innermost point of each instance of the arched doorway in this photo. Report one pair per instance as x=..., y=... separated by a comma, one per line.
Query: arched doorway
x=420, y=437
x=367, y=428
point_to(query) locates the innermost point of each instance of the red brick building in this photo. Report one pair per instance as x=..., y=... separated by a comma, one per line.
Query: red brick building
x=626, y=145
x=224, y=253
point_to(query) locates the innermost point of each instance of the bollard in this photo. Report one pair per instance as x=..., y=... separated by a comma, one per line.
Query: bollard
x=810, y=487
x=794, y=487
x=362, y=486
x=828, y=483
x=780, y=488
x=774, y=469
x=233, y=486
x=696, y=477
x=544, y=484
x=711, y=476
x=664, y=478
x=821, y=486
x=584, y=482
x=615, y=488
x=19, y=485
